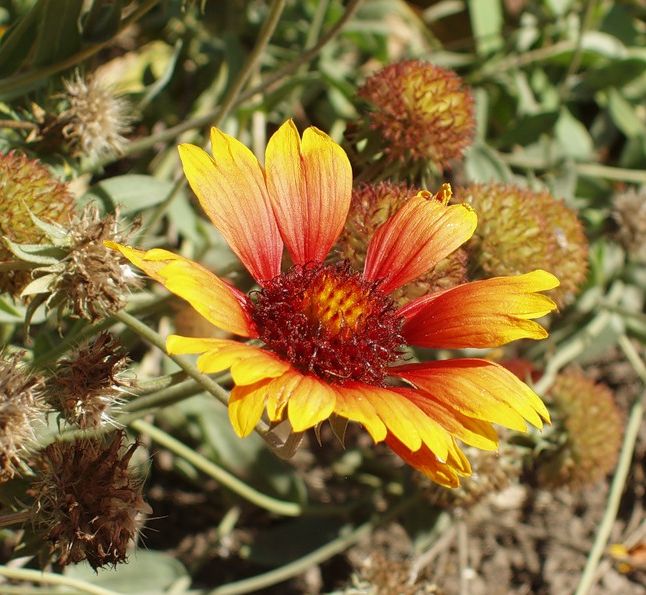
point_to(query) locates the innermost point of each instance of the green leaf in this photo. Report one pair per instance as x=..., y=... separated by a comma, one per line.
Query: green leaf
x=18, y=40
x=528, y=129
x=482, y=164
x=486, y=24
x=8, y=312
x=35, y=253
x=41, y=285
x=146, y=572
x=624, y=115
x=132, y=192
x=616, y=74
x=58, y=32
x=573, y=136
x=102, y=20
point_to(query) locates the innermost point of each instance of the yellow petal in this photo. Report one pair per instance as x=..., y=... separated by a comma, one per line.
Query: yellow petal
x=311, y=401
x=246, y=404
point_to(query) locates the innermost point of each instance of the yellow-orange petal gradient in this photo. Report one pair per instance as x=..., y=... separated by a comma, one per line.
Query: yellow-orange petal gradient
x=310, y=187
x=479, y=389
x=415, y=239
x=232, y=191
x=221, y=304
x=248, y=364
x=485, y=313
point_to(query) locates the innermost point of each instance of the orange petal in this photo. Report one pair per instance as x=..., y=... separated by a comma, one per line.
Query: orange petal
x=232, y=191
x=220, y=303
x=248, y=364
x=415, y=239
x=246, y=404
x=352, y=404
x=471, y=431
x=446, y=474
x=479, y=389
x=310, y=402
x=484, y=313
x=310, y=186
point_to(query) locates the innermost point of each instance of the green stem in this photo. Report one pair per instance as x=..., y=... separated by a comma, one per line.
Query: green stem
x=15, y=518
x=163, y=398
x=50, y=578
x=222, y=476
x=348, y=536
x=209, y=117
x=588, y=577
x=17, y=81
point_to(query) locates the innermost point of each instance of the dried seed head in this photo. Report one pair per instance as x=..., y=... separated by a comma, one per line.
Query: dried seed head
x=372, y=205
x=93, y=282
x=630, y=214
x=87, y=501
x=422, y=112
x=26, y=186
x=86, y=386
x=520, y=230
x=21, y=406
x=95, y=120
x=586, y=435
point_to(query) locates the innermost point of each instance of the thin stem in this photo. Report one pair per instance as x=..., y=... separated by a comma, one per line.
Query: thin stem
x=220, y=475
x=19, y=80
x=50, y=578
x=211, y=116
x=347, y=537
x=588, y=577
x=15, y=518
x=16, y=265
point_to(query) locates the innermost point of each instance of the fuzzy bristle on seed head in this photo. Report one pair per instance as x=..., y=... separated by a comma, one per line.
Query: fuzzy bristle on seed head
x=520, y=230
x=84, y=387
x=21, y=408
x=96, y=120
x=87, y=502
x=26, y=186
x=421, y=111
x=629, y=211
x=328, y=321
x=587, y=435
x=371, y=206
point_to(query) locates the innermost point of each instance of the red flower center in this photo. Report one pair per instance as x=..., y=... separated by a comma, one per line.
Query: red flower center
x=326, y=319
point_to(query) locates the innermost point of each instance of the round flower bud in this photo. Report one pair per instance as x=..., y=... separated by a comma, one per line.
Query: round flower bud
x=420, y=112
x=27, y=187
x=371, y=206
x=520, y=230
x=586, y=437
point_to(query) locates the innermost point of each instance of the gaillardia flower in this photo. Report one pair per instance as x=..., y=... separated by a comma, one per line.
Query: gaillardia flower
x=332, y=338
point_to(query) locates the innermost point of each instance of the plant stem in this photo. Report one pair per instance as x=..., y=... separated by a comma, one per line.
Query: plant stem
x=588, y=577
x=15, y=518
x=211, y=116
x=347, y=536
x=225, y=478
x=13, y=83
x=50, y=578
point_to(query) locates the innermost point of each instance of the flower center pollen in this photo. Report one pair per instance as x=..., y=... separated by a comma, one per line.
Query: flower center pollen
x=327, y=320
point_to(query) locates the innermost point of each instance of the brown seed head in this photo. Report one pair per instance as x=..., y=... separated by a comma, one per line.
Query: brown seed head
x=520, y=230
x=27, y=186
x=96, y=120
x=87, y=501
x=421, y=111
x=588, y=428
x=21, y=406
x=93, y=281
x=630, y=214
x=86, y=386
x=372, y=205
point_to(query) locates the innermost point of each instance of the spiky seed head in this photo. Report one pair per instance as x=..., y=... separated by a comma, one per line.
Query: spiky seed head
x=588, y=427
x=21, y=407
x=85, y=387
x=96, y=120
x=629, y=211
x=87, y=501
x=520, y=230
x=421, y=111
x=27, y=186
x=371, y=206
